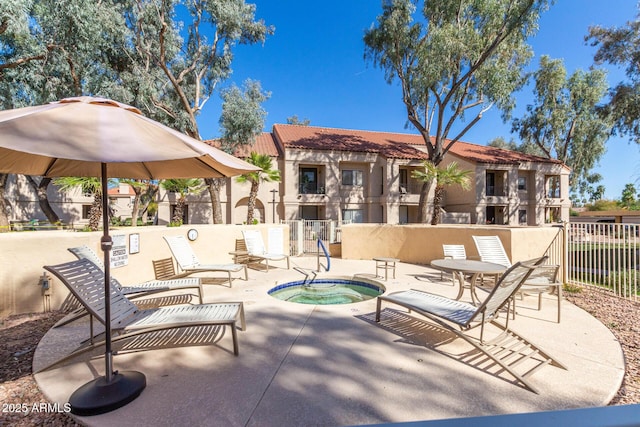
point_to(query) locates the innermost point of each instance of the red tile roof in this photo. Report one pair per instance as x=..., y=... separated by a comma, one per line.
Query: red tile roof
x=115, y=191
x=485, y=154
x=390, y=145
x=264, y=144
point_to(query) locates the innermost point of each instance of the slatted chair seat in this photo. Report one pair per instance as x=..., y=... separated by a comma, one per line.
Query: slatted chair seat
x=85, y=280
x=188, y=263
x=507, y=349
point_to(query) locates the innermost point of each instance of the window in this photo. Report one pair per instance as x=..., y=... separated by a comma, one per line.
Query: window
x=522, y=183
x=491, y=184
x=404, y=181
x=553, y=187
x=351, y=177
x=86, y=210
x=353, y=215
x=522, y=216
x=308, y=181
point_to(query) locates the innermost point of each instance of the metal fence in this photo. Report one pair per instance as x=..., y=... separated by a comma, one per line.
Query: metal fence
x=603, y=255
x=304, y=233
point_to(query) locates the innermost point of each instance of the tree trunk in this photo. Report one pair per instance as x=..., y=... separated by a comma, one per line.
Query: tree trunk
x=178, y=212
x=4, y=213
x=423, y=204
x=251, y=204
x=95, y=214
x=213, y=185
x=437, y=203
x=43, y=198
x=135, y=210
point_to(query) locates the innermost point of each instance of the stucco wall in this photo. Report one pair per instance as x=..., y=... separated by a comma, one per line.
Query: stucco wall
x=416, y=243
x=24, y=253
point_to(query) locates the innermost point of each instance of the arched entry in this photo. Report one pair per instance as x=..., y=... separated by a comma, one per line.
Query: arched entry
x=241, y=207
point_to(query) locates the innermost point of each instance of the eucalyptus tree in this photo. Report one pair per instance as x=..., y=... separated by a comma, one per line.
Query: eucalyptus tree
x=563, y=121
x=447, y=176
x=242, y=120
x=621, y=47
x=454, y=59
x=266, y=174
x=179, y=64
x=51, y=50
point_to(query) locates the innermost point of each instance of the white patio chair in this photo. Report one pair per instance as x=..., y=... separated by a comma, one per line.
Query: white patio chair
x=132, y=291
x=85, y=280
x=256, y=248
x=188, y=262
x=507, y=349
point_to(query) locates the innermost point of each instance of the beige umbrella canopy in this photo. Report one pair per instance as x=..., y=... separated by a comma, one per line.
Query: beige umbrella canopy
x=74, y=136
x=99, y=137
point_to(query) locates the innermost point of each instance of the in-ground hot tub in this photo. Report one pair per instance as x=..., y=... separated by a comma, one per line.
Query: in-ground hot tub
x=328, y=290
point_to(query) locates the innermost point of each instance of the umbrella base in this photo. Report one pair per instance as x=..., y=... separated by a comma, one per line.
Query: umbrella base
x=97, y=396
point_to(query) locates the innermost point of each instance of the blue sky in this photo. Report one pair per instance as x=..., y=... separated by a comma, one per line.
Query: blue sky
x=314, y=68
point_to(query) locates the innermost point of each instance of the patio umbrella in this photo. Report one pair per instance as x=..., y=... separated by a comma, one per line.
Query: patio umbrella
x=97, y=137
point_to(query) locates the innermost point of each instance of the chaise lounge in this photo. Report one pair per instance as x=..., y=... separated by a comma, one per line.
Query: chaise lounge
x=189, y=264
x=507, y=349
x=85, y=280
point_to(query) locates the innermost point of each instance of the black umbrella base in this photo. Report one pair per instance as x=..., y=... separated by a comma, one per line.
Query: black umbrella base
x=97, y=396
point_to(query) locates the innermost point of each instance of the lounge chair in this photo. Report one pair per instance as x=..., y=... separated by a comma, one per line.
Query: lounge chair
x=507, y=349
x=145, y=288
x=256, y=248
x=85, y=280
x=189, y=264
x=134, y=291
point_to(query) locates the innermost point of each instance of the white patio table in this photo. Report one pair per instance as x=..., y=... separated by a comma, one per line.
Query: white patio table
x=461, y=267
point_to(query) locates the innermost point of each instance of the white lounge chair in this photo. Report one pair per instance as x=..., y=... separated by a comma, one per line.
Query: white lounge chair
x=132, y=291
x=256, y=248
x=85, y=280
x=188, y=262
x=508, y=349
x=141, y=289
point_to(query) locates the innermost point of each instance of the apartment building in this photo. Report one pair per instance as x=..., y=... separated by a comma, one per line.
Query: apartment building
x=365, y=176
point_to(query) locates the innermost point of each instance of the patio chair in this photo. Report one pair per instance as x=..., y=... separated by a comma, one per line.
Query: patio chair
x=453, y=252
x=490, y=249
x=542, y=280
x=189, y=264
x=507, y=349
x=257, y=250
x=134, y=291
x=85, y=280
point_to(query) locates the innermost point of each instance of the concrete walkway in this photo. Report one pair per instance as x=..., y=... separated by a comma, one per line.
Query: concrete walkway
x=306, y=365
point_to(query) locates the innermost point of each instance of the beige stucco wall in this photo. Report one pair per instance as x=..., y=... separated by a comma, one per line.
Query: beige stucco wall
x=417, y=243
x=24, y=253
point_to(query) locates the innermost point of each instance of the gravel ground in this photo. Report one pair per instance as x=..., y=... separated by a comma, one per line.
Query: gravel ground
x=22, y=402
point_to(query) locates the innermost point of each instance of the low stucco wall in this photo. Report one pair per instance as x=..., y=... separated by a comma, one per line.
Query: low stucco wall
x=419, y=244
x=24, y=253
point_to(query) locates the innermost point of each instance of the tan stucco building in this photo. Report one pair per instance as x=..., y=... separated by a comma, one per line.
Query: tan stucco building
x=362, y=176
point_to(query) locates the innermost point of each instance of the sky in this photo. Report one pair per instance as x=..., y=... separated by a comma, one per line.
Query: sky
x=314, y=67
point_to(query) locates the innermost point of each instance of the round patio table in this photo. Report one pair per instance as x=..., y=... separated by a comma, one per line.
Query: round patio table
x=461, y=267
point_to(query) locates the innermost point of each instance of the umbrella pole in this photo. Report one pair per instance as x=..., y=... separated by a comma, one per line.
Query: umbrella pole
x=115, y=389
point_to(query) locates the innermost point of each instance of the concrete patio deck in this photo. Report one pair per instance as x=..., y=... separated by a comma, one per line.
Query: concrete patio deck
x=303, y=365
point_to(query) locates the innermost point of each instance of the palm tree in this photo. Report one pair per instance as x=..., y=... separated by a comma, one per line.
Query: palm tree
x=91, y=186
x=267, y=174
x=449, y=175
x=182, y=187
